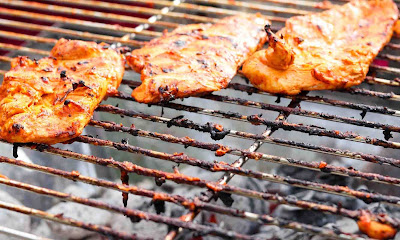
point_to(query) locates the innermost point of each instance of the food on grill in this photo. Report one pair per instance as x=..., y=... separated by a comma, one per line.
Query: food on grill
x=196, y=59
x=327, y=50
x=51, y=100
x=375, y=229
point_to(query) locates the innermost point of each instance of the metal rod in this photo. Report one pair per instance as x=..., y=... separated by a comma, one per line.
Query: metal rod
x=221, y=150
x=23, y=49
x=322, y=100
x=86, y=35
x=21, y=36
x=297, y=3
x=67, y=221
x=256, y=6
x=131, y=213
x=88, y=13
x=201, y=8
x=84, y=23
x=190, y=204
x=19, y=234
x=271, y=107
x=176, y=199
x=254, y=119
x=143, y=10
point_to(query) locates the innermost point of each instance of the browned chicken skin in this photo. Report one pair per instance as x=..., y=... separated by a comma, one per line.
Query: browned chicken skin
x=195, y=59
x=375, y=229
x=51, y=100
x=327, y=50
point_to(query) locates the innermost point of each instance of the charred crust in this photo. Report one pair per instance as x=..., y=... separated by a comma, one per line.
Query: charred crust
x=63, y=74
x=17, y=127
x=81, y=83
x=83, y=62
x=48, y=69
x=45, y=79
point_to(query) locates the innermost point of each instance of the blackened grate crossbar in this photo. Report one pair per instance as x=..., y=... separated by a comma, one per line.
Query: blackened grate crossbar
x=154, y=16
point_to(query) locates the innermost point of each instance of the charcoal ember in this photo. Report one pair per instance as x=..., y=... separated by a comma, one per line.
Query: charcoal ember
x=346, y=225
x=78, y=212
x=274, y=232
x=159, y=206
x=241, y=203
x=13, y=220
x=397, y=237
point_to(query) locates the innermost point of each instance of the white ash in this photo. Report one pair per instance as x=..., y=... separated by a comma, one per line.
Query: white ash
x=13, y=220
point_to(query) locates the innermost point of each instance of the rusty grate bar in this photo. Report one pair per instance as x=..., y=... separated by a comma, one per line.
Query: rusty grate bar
x=255, y=6
x=180, y=121
x=296, y=111
x=202, y=8
x=19, y=234
x=84, y=23
x=87, y=13
x=182, y=201
x=322, y=100
x=176, y=177
x=67, y=221
x=142, y=10
x=268, y=139
x=221, y=150
x=85, y=35
x=337, y=190
x=23, y=49
x=131, y=213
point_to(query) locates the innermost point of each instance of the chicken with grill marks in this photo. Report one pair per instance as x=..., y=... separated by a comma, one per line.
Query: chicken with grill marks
x=327, y=50
x=196, y=59
x=52, y=99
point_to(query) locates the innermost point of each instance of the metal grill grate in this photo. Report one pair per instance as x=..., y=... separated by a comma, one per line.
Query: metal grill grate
x=138, y=21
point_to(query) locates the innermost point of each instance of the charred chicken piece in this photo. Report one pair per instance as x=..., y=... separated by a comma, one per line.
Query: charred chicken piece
x=327, y=50
x=195, y=59
x=52, y=99
x=375, y=229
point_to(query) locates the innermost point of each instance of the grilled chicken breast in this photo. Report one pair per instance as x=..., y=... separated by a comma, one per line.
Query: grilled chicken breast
x=195, y=59
x=51, y=100
x=327, y=50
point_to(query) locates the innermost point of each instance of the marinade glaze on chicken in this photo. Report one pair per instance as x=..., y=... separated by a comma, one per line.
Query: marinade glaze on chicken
x=196, y=59
x=328, y=50
x=52, y=99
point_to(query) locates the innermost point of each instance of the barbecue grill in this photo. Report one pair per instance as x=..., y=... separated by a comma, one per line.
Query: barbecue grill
x=308, y=131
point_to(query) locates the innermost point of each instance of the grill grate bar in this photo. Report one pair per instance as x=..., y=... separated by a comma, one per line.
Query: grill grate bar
x=255, y=6
x=179, y=178
x=86, y=35
x=145, y=10
x=67, y=221
x=308, y=147
x=251, y=90
x=21, y=36
x=84, y=23
x=295, y=111
x=322, y=100
x=337, y=190
x=256, y=120
x=182, y=201
x=374, y=80
x=131, y=213
x=8, y=46
x=19, y=234
x=201, y=8
x=87, y=13
x=221, y=150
